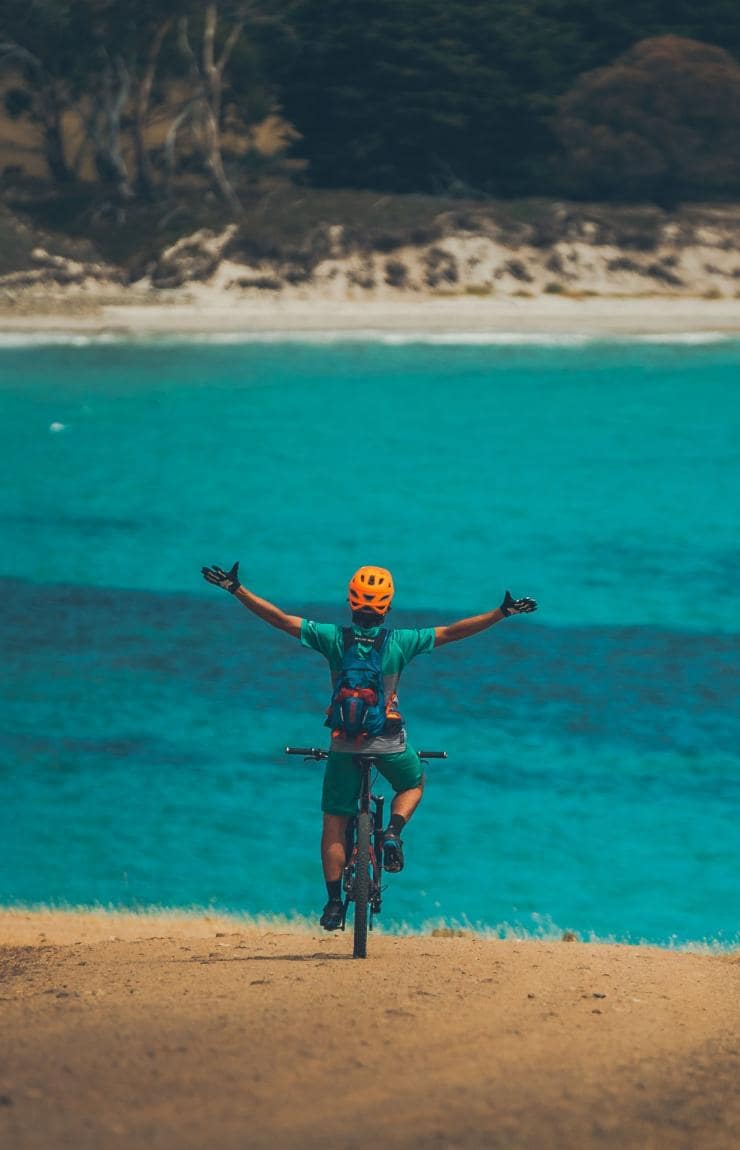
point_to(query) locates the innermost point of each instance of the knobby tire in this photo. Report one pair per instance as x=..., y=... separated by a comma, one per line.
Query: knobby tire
x=362, y=884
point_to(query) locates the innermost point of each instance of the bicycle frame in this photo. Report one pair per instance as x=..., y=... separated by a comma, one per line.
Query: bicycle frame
x=363, y=868
x=362, y=875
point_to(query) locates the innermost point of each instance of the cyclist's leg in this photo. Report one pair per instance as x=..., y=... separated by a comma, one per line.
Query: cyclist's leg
x=338, y=803
x=333, y=856
x=405, y=774
x=405, y=802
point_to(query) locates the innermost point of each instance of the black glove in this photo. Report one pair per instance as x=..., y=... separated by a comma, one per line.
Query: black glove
x=229, y=580
x=512, y=606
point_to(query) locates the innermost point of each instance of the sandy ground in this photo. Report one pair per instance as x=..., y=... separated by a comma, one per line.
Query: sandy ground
x=162, y=1033
x=204, y=309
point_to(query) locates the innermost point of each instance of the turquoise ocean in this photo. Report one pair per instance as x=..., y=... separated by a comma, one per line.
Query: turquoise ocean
x=593, y=778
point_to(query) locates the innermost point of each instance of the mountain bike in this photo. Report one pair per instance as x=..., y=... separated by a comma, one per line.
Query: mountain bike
x=361, y=881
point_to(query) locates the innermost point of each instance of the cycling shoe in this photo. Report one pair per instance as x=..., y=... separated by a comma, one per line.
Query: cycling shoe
x=332, y=915
x=392, y=852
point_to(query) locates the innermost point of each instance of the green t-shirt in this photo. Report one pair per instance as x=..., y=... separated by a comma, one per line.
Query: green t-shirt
x=403, y=645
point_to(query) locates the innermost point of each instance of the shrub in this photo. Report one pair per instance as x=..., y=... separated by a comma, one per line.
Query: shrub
x=420, y=236
x=297, y=275
x=664, y=274
x=662, y=123
x=263, y=283
x=624, y=264
x=441, y=268
x=387, y=242
x=518, y=270
x=362, y=277
x=396, y=273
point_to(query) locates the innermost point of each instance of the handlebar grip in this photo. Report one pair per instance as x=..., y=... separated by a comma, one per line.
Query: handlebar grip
x=432, y=754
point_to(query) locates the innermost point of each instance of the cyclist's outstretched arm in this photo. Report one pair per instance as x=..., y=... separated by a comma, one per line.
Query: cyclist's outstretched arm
x=229, y=581
x=466, y=627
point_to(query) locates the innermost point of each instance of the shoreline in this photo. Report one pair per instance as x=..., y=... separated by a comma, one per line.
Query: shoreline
x=182, y=1033
x=26, y=924
x=209, y=312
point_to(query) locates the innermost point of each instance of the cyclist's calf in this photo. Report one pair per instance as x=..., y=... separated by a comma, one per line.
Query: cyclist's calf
x=333, y=846
x=405, y=802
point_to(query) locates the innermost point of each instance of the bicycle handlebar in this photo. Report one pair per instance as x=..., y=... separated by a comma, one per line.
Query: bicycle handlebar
x=318, y=754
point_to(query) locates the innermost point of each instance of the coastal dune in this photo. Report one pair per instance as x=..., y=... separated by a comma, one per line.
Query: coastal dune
x=197, y=1032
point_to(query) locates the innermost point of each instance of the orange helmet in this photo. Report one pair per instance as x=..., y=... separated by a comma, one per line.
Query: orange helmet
x=371, y=587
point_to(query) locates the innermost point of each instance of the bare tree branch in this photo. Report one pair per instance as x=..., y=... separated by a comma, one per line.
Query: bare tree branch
x=208, y=84
x=170, y=142
x=145, y=175
x=115, y=90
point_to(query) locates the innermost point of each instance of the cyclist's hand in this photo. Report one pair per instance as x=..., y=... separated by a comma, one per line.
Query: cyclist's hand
x=511, y=606
x=229, y=580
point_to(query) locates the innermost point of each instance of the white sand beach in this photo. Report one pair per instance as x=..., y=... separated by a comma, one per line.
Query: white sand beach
x=205, y=310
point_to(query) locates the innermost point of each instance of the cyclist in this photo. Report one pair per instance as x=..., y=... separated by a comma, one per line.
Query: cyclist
x=370, y=595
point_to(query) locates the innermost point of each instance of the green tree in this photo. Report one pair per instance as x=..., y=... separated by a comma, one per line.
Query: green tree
x=591, y=33
x=416, y=95
x=419, y=95
x=661, y=123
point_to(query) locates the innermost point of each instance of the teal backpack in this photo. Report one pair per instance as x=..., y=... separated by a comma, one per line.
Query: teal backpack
x=357, y=709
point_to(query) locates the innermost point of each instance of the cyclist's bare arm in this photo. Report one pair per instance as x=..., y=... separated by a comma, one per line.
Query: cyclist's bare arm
x=466, y=627
x=271, y=614
x=229, y=581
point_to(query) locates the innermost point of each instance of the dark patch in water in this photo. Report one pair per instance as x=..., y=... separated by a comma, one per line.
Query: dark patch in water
x=645, y=687
x=85, y=524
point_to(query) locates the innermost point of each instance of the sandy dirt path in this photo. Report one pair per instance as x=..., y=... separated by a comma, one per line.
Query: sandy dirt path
x=199, y=1033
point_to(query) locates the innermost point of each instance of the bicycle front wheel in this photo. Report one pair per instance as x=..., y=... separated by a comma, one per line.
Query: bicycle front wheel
x=362, y=884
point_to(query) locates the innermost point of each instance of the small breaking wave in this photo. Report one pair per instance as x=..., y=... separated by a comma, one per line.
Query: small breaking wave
x=574, y=339
x=490, y=338
x=686, y=338
x=12, y=340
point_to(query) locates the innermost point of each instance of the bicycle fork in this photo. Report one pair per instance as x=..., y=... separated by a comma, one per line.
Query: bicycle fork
x=376, y=862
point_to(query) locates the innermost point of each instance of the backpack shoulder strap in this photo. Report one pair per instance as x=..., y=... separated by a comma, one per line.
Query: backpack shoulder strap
x=379, y=640
x=348, y=638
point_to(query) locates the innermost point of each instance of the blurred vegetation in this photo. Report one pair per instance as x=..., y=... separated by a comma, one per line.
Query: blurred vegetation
x=463, y=95
x=16, y=244
x=148, y=114
x=296, y=226
x=662, y=121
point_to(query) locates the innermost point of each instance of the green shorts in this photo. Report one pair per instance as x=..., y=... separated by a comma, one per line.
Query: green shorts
x=342, y=778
